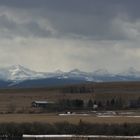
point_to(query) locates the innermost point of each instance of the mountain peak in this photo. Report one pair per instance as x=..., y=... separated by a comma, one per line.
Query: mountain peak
x=17, y=67
x=131, y=72
x=75, y=71
x=101, y=72
x=17, y=72
x=58, y=71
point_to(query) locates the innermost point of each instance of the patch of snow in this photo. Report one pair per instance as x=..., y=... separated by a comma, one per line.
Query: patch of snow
x=73, y=114
x=101, y=72
x=90, y=79
x=131, y=72
x=19, y=73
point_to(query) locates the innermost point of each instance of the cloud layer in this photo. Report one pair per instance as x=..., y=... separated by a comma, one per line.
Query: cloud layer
x=46, y=35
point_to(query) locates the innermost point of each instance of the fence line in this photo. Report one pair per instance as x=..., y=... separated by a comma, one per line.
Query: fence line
x=80, y=136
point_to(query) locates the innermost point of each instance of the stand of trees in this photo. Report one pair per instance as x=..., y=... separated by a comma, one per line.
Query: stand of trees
x=112, y=104
x=78, y=104
x=82, y=89
x=71, y=104
x=118, y=103
x=66, y=105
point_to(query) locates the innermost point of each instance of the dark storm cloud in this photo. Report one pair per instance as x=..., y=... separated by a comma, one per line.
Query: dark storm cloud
x=92, y=19
x=10, y=28
x=79, y=6
x=46, y=35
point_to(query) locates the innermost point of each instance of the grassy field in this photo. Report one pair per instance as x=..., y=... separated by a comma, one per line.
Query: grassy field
x=52, y=118
x=15, y=104
x=19, y=100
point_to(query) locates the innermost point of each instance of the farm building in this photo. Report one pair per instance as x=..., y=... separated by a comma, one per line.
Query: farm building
x=41, y=103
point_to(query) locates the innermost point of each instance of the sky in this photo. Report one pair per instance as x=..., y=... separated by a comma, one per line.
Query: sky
x=47, y=35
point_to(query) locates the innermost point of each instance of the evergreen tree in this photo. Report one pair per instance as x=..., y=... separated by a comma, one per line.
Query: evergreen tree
x=90, y=104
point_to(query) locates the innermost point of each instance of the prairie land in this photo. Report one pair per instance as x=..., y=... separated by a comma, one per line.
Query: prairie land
x=53, y=118
x=19, y=100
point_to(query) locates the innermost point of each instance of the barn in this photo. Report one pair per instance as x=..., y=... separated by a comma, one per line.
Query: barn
x=42, y=104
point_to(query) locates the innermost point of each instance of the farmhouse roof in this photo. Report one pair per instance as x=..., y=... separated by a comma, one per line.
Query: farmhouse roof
x=42, y=102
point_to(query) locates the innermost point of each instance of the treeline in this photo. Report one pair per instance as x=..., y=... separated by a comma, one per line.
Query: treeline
x=117, y=103
x=79, y=104
x=114, y=103
x=76, y=89
x=134, y=103
x=70, y=104
x=12, y=130
x=65, y=105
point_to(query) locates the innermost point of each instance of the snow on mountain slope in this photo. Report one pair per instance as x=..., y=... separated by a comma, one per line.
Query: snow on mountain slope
x=19, y=73
x=101, y=72
x=131, y=72
x=76, y=72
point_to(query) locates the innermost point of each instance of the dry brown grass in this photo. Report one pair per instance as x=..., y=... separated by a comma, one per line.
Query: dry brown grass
x=19, y=100
x=52, y=118
x=22, y=101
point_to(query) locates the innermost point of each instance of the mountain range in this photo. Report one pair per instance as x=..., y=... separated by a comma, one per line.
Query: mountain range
x=18, y=76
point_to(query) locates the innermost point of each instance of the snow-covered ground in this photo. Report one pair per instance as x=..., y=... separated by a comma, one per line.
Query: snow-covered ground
x=103, y=114
x=73, y=114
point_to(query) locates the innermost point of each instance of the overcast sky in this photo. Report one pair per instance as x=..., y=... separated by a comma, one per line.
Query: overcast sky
x=46, y=35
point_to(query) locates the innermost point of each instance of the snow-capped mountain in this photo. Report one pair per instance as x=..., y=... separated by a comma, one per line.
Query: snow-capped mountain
x=131, y=72
x=19, y=76
x=77, y=74
x=101, y=72
x=18, y=72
